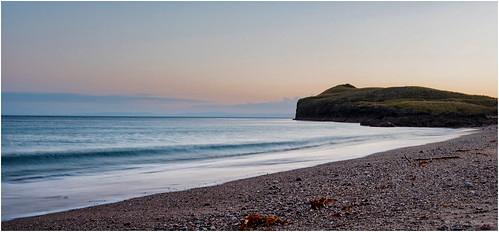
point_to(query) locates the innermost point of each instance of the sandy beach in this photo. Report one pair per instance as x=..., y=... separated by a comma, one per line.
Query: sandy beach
x=450, y=185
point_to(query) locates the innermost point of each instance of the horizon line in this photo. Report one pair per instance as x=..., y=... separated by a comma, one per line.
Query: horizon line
x=140, y=116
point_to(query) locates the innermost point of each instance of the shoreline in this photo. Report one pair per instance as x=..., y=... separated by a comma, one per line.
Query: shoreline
x=286, y=195
x=57, y=195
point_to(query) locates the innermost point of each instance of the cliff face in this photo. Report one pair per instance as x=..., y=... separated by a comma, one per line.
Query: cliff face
x=398, y=106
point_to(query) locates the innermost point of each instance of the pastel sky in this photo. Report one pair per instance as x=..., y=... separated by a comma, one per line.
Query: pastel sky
x=178, y=57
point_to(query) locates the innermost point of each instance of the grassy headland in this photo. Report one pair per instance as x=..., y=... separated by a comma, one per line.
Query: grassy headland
x=398, y=106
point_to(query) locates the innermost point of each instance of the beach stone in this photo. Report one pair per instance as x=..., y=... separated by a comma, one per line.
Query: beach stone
x=468, y=184
x=456, y=227
x=273, y=187
x=486, y=227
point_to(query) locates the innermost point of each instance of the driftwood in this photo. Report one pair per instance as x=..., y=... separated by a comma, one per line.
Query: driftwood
x=407, y=159
x=438, y=158
x=422, y=162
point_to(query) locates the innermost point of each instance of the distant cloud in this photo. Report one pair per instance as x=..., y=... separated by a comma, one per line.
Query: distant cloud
x=72, y=97
x=31, y=103
x=283, y=108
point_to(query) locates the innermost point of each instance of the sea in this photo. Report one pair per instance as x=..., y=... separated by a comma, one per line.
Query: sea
x=52, y=163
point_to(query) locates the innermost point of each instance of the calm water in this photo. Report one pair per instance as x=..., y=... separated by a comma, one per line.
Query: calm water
x=57, y=163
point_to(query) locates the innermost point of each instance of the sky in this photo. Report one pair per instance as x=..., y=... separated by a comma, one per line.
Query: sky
x=234, y=58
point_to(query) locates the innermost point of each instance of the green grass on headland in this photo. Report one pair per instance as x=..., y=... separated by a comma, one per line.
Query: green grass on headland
x=398, y=106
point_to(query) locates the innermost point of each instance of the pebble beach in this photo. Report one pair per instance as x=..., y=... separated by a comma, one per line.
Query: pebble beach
x=450, y=185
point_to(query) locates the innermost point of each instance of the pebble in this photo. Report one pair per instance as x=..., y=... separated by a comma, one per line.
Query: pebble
x=486, y=227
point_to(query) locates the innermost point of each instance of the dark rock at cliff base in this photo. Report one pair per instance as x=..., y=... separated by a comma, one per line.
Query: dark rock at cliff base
x=377, y=123
x=398, y=106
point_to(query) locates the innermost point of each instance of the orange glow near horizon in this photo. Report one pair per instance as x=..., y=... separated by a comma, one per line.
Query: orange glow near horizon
x=243, y=52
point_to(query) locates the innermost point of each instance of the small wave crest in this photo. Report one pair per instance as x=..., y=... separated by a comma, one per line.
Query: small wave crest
x=164, y=153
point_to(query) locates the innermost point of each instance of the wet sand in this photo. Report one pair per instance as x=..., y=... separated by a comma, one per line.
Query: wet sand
x=450, y=185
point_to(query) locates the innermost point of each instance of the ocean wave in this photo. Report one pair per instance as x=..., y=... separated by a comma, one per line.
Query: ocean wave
x=168, y=153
